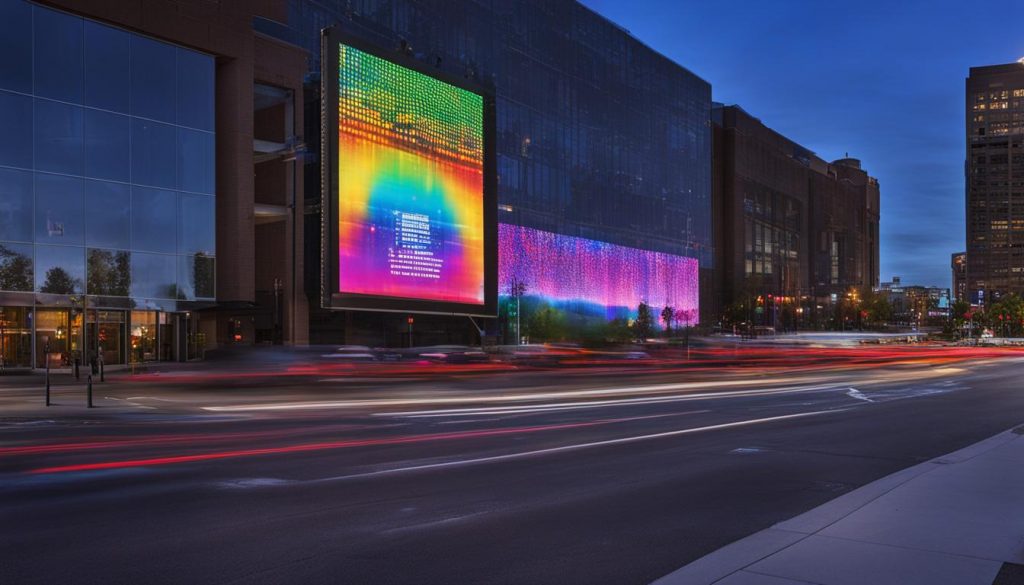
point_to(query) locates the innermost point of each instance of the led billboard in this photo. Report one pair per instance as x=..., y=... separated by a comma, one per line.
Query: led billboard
x=595, y=277
x=409, y=188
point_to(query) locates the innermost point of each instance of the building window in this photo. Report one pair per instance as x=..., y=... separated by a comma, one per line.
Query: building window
x=111, y=128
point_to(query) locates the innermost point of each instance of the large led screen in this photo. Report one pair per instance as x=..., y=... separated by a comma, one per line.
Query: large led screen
x=591, y=276
x=410, y=207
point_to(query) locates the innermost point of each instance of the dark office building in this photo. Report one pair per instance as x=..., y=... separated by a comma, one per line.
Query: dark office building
x=793, y=226
x=159, y=172
x=958, y=264
x=995, y=182
x=598, y=136
x=143, y=167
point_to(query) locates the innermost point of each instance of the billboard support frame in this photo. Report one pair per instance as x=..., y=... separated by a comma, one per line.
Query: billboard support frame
x=331, y=297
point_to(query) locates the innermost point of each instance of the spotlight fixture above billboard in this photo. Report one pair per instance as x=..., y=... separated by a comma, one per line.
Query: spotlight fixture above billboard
x=409, y=200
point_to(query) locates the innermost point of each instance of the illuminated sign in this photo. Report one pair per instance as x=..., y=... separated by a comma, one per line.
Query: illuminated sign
x=409, y=221
x=592, y=276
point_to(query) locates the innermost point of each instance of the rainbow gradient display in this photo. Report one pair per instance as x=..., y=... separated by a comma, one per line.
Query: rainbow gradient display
x=587, y=275
x=410, y=183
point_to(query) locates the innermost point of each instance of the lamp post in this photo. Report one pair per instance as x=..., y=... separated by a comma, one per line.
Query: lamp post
x=278, y=286
x=3, y=325
x=517, y=289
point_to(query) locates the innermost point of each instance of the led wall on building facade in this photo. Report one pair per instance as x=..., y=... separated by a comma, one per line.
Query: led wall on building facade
x=410, y=200
x=588, y=276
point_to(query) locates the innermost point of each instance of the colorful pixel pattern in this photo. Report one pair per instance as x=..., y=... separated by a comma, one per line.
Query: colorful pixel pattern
x=410, y=183
x=594, y=275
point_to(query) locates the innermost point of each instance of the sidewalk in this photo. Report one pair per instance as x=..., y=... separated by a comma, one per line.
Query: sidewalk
x=956, y=520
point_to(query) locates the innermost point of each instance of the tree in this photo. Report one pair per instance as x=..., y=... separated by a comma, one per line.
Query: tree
x=875, y=307
x=108, y=273
x=960, y=313
x=546, y=324
x=203, y=275
x=686, y=316
x=1006, y=315
x=667, y=316
x=59, y=281
x=644, y=323
x=15, y=270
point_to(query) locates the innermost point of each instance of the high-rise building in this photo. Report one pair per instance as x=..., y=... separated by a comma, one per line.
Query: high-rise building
x=995, y=182
x=792, y=226
x=958, y=264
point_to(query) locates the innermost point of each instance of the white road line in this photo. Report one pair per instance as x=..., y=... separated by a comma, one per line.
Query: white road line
x=564, y=448
x=888, y=377
x=854, y=393
x=523, y=397
x=557, y=406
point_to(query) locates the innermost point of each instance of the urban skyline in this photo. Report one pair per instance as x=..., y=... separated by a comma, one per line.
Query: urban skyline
x=878, y=82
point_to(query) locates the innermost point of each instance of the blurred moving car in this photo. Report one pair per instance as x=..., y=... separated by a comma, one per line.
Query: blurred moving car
x=453, y=354
x=352, y=353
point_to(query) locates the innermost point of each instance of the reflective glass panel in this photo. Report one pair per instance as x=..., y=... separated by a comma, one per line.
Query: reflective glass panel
x=154, y=276
x=16, y=45
x=16, y=336
x=154, y=223
x=153, y=153
x=106, y=67
x=107, y=215
x=109, y=272
x=195, y=161
x=15, y=205
x=59, y=145
x=195, y=89
x=58, y=63
x=152, y=79
x=196, y=225
x=106, y=146
x=196, y=277
x=60, y=269
x=15, y=267
x=59, y=209
x=15, y=129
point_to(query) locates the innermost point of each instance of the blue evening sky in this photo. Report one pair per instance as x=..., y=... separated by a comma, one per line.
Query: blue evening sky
x=882, y=80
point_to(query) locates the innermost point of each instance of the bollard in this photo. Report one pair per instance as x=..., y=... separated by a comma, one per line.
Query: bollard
x=47, y=381
x=102, y=379
x=89, y=389
x=77, y=377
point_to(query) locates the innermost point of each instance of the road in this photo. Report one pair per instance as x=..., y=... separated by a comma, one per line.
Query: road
x=593, y=476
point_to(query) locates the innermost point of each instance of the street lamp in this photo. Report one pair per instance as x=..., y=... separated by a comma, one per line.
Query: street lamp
x=517, y=289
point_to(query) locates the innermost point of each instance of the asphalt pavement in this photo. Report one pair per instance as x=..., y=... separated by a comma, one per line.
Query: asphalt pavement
x=470, y=476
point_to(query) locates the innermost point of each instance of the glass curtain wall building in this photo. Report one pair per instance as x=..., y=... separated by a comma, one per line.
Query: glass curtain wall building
x=107, y=226
x=598, y=136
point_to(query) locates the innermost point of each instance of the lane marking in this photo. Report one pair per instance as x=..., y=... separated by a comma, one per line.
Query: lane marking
x=558, y=406
x=518, y=398
x=331, y=445
x=496, y=398
x=566, y=448
x=854, y=393
x=883, y=378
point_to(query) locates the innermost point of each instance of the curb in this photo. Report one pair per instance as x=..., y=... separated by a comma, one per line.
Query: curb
x=747, y=551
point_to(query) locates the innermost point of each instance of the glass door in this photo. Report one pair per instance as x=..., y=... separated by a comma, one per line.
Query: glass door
x=105, y=332
x=143, y=337
x=52, y=329
x=15, y=338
